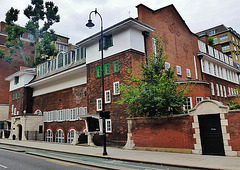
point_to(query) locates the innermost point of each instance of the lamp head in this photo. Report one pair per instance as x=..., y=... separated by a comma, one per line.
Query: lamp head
x=90, y=24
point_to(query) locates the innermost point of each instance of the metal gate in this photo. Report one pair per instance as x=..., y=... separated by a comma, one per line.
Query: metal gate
x=211, y=134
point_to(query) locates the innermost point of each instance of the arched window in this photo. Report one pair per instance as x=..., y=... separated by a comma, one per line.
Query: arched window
x=59, y=136
x=38, y=112
x=49, y=136
x=71, y=135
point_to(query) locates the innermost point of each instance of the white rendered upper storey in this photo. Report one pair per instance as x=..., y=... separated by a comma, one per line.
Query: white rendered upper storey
x=120, y=37
x=21, y=78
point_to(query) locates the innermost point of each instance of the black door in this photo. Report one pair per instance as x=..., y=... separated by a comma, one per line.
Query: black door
x=211, y=135
x=20, y=132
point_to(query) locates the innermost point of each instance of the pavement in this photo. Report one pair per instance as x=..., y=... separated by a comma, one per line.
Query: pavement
x=161, y=158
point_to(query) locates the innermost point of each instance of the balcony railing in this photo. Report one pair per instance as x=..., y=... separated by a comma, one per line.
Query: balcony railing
x=62, y=60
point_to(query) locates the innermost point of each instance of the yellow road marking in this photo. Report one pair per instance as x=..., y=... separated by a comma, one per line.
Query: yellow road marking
x=61, y=162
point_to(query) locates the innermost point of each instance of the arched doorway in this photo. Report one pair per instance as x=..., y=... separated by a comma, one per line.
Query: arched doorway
x=210, y=129
x=20, y=132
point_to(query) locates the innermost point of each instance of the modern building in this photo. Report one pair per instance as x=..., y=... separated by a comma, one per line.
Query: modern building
x=227, y=38
x=66, y=91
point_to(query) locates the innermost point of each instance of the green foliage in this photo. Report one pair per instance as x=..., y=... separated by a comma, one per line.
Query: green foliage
x=8, y=59
x=233, y=105
x=2, y=54
x=155, y=94
x=36, y=12
x=210, y=41
x=12, y=16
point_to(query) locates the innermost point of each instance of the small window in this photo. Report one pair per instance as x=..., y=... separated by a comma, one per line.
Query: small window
x=199, y=99
x=116, y=88
x=107, y=96
x=60, y=60
x=188, y=73
x=212, y=89
x=106, y=69
x=215, y=40
x=167, y=66
x=233, y=38
x=13, y=96
x=107, y=42
x=223, y=37
x=108, y=125
x=16, y=95
x=154, y=46
x=188, y=104
x=40, y=129
x=99, y=104
x=16, y=80
x=49, y=136
x=98, y=71
x=217, y=88
x=224, y=91
x=70, y=136
x=221, y=90
x=30, y=36
x=179, y=70
x=115, y=66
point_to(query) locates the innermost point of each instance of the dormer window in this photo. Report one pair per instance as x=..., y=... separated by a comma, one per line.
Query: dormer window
x=107, y=42
x=16, y=80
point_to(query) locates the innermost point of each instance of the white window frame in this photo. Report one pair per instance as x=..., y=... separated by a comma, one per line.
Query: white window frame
x=59, y=138
x=49, y=135
x=217, y=88
x=108, y=126
x=188, y=73
x=167, y=66
x=191, y=105
x=224, y=91
x=221, y=90
x=70, y=136
x=179, y=72
x=116, y=86
x=154, y=46
x=201, y=99
x=107, y=96
x=99, y=105
x=212, y=88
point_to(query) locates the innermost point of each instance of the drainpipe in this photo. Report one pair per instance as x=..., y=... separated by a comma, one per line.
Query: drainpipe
x=145, y=35
x=200, y=59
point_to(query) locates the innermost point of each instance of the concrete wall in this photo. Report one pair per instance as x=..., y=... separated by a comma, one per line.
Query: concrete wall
x=4, y=111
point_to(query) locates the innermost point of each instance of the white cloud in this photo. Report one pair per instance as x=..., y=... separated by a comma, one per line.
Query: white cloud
x=198, y=14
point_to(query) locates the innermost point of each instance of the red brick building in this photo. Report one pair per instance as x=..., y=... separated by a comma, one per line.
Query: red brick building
x=67, y=89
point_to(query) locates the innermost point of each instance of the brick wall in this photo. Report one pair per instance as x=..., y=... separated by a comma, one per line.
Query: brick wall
x=219, y=81
x=172, y=132
x=63, y=99
x=233, y=129
x=179, y=43
x=127, y=60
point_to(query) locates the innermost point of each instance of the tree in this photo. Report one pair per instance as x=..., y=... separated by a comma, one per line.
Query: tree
x=210, y=41
x=155, y=93
x=37, y=12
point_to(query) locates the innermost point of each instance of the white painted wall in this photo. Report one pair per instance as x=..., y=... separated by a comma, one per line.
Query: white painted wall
x=23, y=80
x=130, y=38
x=64, y=82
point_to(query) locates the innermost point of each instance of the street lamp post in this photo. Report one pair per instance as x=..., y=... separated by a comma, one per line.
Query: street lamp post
x=90, y=24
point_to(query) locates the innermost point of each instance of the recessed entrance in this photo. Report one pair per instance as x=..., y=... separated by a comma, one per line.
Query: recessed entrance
x=211, y=134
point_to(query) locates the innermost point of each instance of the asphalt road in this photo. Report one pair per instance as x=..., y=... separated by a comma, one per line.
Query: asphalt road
x=20, y=161
x=36, y=159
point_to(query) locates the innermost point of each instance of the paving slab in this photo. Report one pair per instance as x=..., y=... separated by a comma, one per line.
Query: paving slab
x=164, y=158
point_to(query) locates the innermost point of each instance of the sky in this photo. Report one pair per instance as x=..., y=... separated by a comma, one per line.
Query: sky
x=198, y=14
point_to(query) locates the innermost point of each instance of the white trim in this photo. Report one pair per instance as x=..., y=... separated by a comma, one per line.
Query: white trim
x=98, y=104
x=115, y=91
x=108, y=126
x=179, y=72
x=107, y=96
